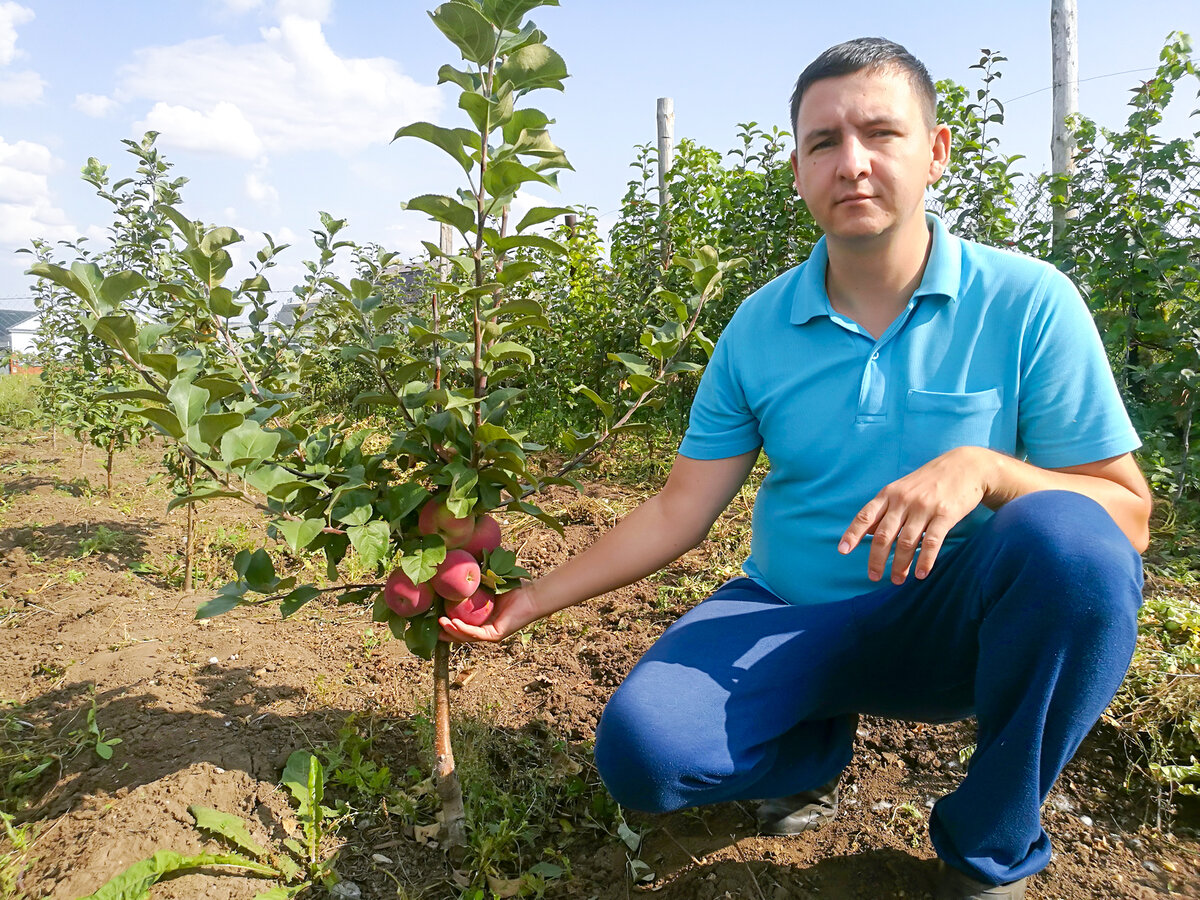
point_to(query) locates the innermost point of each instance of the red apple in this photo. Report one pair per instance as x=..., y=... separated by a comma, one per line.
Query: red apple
x=474, y=610
x=436, y=519
x=486, y=536
x=457, y=577
x=405, y=598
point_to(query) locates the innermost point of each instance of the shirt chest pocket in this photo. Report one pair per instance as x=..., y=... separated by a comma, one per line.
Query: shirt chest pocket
x=935, y=423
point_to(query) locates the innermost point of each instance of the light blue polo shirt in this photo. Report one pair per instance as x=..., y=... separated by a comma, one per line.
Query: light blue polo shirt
x=993, y=350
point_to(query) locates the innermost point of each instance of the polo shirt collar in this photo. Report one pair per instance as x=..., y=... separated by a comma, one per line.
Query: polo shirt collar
x=942, y=278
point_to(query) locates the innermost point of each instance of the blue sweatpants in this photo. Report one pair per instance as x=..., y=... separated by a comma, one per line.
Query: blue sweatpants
x=1029, y=626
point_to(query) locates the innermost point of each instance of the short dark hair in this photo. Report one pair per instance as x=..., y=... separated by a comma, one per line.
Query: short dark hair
x=870, y=53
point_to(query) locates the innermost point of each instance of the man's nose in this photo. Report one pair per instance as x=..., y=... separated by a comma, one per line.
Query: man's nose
x=854, y=162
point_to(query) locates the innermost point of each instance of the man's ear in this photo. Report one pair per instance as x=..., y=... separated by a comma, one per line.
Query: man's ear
x=796, y=174
x=941, y=153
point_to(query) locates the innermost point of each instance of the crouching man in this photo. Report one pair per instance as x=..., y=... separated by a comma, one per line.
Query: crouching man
x=951, y=525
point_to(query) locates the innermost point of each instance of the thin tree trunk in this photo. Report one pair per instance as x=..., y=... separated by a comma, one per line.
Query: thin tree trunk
x=189, y=540
x=1183, y=463
x=108, y=467
x=82, y=453
x=454, y=817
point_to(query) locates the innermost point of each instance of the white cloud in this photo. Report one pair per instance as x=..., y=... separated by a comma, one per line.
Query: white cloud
x=240, y=7
x=95, y=105
x=223, y=129
x=21, y=88
x=260, y=191
x=27, y=209
x=11, y=15
x=318, y=10
x=291, y=90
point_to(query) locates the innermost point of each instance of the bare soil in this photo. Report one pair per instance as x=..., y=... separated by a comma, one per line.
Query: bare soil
x=208, y=711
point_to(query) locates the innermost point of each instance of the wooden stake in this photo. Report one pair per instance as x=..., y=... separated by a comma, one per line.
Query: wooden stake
x=1064, y=33
x=666, y=158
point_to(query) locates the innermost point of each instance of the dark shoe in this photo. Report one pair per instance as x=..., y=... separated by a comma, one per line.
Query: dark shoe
x=800, y=812
x=954, y=885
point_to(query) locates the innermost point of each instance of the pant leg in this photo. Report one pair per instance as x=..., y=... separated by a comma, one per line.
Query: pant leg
x=729, y=704
x=1057, y=594
x=1031, y=624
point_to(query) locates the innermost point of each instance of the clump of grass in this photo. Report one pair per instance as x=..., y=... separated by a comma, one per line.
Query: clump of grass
x=527, y=795
x=19, y=408
x=1157, y=710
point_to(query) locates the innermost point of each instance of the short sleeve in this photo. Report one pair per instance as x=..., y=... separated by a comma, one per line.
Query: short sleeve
x=722, y=423
x=1070, y=409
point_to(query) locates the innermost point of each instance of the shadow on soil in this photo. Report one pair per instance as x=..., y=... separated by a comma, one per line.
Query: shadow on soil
x=125, y=540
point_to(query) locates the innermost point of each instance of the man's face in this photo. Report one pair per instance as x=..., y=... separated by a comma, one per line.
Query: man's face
x=865, y=154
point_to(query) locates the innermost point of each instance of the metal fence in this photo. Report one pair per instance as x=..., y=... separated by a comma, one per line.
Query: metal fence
x=1031, y=204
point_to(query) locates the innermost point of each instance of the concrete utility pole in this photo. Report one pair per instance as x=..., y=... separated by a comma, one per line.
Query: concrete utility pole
x=666, y=157
x=1064, y=35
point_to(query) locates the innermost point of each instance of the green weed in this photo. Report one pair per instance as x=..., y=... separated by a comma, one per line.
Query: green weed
x=102, y=540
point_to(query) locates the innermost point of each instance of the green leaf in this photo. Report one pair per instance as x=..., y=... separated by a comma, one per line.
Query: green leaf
x=188, y=401
x=516, y=270
x=510, y=350
x=256, y=569
x=506, y=176
x=468, y=81
x=353, y=508
x=217, y=238
x=297, y=599
x=118, y=331
x=540, y=214
x=507, y=14
x=489, y=112
x=163, y=419
x=118, y=286
x=449, y=139
x=540, y=242
x=421, y=564
x=60, y=276
x=135, y=882
x=247, y=444
x=214, y=425
x=371, y=541
x=230, y=827
x=140, y=394
x=528, y=119
x=603, y=405
x=209, y=491
x=304, y=778
x=402, y=499
x=277, y=482
x=533, y=67
x=221, y=302
x=299, y=534
x=444, y=209
x=467, y=29
x=165, y=364
x=421, y=636
x=232, y=595
x=634, y=364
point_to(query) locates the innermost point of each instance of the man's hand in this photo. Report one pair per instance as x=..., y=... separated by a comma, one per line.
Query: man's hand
x=512, y=612
x=917, y=511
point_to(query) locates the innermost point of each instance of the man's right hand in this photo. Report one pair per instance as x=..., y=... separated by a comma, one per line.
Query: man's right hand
x=662, y=529
x=513, y=610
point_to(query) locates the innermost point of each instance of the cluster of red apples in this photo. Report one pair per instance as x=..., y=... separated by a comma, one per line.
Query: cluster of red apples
x=457, y=580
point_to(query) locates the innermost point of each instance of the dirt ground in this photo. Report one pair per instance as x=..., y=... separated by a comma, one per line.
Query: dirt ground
x=207, y=712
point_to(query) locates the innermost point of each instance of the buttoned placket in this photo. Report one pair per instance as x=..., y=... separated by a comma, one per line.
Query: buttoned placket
x=872, y=392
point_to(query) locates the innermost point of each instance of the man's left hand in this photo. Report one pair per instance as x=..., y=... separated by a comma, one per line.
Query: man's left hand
x=917, y=511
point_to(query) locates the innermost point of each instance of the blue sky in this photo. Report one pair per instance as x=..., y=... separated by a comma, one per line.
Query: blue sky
x=276, y=109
